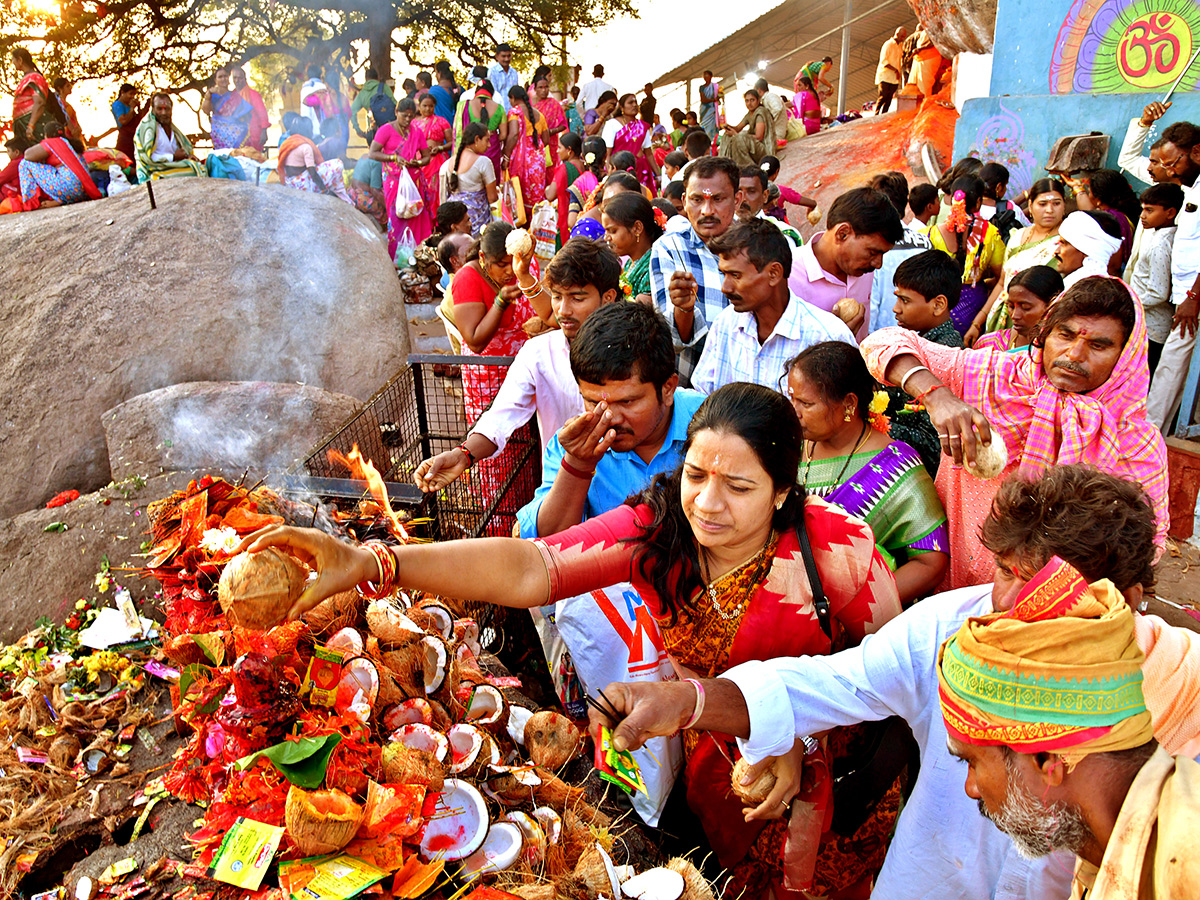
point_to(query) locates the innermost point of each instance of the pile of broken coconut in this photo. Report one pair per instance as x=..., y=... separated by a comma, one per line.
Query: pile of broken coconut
x=440, y=772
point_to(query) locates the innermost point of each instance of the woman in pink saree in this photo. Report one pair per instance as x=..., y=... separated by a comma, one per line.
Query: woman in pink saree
x=399, y=145
x=626, y=131
x=525, y=147
x=437, y=134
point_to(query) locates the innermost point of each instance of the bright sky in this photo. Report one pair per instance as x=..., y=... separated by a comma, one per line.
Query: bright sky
x=633, y=51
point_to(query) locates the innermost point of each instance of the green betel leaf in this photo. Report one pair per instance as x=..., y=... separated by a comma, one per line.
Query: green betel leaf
x=301, y=762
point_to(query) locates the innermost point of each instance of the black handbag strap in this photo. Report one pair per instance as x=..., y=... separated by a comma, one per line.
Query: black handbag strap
x=820, y=601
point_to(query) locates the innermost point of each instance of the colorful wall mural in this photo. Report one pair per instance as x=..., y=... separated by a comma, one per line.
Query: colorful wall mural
x=1065, y=67
x=1110, y=46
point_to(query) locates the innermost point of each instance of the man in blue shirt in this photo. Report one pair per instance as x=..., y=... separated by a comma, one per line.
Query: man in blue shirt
x=502, y=75
x=633, y=426
x=443, y=97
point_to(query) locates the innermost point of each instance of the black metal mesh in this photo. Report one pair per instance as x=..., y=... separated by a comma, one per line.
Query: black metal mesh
x=422, y=412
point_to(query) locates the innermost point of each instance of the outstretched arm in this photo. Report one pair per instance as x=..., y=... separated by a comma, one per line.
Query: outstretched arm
x=465, y=570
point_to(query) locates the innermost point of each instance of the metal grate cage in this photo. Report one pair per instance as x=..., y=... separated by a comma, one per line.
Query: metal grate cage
x=424, y=410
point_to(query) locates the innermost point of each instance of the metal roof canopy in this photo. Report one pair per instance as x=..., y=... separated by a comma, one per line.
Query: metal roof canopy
x=797, y=31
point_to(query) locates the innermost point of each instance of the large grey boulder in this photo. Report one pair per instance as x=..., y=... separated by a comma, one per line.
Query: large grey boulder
x=224, y=281
x=221, y=427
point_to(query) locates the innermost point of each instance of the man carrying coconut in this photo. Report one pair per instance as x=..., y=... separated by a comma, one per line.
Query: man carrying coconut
x=942, y=848
x=1078, y=396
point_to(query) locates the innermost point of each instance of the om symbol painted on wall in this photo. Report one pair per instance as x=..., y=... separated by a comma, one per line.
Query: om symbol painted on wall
x=1152, y=48
x=1122, y=46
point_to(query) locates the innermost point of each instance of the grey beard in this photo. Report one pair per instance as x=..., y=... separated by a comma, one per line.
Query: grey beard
x=1037, y=829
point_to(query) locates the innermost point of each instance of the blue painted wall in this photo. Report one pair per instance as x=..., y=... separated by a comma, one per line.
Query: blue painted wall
x=1066, y=67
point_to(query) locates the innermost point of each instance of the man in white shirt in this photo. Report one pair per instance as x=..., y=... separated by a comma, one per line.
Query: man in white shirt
x=581, y=278
x=1148, y=169
x=503, y=76
x=887, y=73
x=943, y=849
x=765, y=325
x=589, y=94
x=1181, y=154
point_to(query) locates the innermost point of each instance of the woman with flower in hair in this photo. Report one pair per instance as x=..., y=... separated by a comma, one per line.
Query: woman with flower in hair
x=570, y=167
x=849, y=460
x=631, y=226
x=977, y=246
x=595, y=154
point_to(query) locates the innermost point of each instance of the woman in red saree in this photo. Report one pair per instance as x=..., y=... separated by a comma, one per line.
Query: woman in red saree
x=525, y=147
x=437, y=133
x=33, y=107
x=399, y=146
x=713, y=550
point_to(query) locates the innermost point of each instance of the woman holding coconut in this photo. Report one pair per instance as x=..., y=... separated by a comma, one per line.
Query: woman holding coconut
x=714, y=549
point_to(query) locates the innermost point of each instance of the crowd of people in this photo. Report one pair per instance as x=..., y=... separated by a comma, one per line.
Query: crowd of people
x=851, y=508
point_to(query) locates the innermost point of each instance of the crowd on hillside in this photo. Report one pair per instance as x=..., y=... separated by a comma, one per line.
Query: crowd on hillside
x=851, y=508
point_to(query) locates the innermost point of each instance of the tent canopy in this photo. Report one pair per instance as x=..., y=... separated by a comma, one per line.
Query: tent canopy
x=795, y=23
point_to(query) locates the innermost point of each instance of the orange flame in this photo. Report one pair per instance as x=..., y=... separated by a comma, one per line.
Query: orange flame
x=364, y=470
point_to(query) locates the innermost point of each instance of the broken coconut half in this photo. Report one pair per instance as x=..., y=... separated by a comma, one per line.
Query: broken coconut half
x=472, y=750
x=389, y=623
x=534, y=850
x=347, y=640
x=500, y=850
x=654, y=884
x=436, y=660
x=423, y=737
x=551, y=823
x=439, y=615
x=486, y=707
x=417, y=711
x=518, y=718
x=458, y=825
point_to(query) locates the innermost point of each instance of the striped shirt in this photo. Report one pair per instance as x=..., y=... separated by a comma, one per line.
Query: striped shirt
x=684, y=250
x=733, y=353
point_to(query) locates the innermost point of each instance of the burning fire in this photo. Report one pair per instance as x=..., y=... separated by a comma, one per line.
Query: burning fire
x=364, y=470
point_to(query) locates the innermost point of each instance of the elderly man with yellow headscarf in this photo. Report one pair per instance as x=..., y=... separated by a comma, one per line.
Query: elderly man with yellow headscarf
x=1044, y=703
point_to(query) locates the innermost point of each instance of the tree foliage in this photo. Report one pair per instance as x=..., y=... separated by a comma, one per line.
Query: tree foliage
x=177, y=44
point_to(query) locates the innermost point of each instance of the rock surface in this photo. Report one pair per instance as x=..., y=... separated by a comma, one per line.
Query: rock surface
x=221, y=426
x=224, y=281
x=43, y=573
x=958, y=25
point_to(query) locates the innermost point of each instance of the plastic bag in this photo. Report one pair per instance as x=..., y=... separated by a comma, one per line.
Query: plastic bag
x=544, y=228
x=409, y=202
x=117, y=182
x=512, y=202
x=406, y=246
x=609, y=635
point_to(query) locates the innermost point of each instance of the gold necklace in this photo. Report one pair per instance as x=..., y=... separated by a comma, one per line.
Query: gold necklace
x=862, y=439
x=711, y=591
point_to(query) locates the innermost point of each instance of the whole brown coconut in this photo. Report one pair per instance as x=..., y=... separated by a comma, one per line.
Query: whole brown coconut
x=756, y=792
x=404, y=765
x=551, y=739
x=257, y=589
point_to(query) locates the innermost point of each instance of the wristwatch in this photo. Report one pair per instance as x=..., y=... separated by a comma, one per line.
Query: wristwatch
x=811, y=744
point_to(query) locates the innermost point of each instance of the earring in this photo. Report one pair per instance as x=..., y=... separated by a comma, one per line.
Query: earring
x=846, y=416
x=779, y=504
